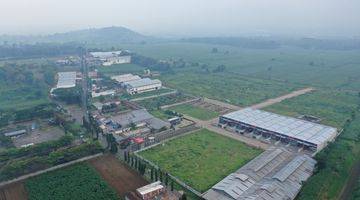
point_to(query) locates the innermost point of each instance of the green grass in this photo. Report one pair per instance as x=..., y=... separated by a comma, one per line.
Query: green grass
x=160, y=114
x=330, y=68
x=333, y=107
x=121, y=68
x=201, y=159
x=232, y=88
x=194, y=111
x=75, y=182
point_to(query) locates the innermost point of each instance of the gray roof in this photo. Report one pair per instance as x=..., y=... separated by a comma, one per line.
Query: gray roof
x=15, y=133
x=296, y=128
x=139, y=116
x=274, y=174
x=142, y=82
x=66, y=80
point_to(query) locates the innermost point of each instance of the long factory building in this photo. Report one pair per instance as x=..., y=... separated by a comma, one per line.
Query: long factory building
x=291, y=130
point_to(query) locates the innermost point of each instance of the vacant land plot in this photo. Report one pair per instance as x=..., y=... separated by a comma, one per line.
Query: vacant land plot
x=201, y=159
x=118, y=176
x=119, y=69
x=333, y=107
x=75, y=182
x=15, y=191
x=228, y=87
x=157, y=102
x=38, y=136
x=194, y=111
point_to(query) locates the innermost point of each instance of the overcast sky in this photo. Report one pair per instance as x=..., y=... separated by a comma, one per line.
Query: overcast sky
x=185, y=17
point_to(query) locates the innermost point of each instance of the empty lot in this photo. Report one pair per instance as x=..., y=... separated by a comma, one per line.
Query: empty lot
x=117, y=175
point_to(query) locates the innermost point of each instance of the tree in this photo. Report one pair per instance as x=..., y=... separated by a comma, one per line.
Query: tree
x=152, y=174
x=113, y=148
x=183, y=196
x=214, y=50
x=172, y=185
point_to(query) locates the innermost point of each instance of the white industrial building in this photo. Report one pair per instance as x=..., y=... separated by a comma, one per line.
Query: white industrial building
x=275, y=174
x=66, y=80
x=143, y=85
x=291, y=130
x=111, y=57
x=123, y=78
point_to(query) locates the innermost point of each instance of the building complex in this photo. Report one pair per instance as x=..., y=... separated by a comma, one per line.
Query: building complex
x=143, y=85
x=275, y=174
x=291, y=130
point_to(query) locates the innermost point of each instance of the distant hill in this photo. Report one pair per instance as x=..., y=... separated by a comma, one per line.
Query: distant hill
x=105, y=36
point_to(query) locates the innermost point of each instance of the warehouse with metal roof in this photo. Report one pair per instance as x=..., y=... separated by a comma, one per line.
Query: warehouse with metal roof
x=142, y=85
x=66, y=80
x=123, y=78
x=275, y=174
x=291, y=130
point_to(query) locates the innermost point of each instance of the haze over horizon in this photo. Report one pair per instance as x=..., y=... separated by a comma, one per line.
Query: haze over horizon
x=328, y=18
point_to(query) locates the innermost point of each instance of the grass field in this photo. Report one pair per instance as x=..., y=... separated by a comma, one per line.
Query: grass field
x=239, y=90
x=201, y=159
x=324, y=68
x=333, y=107
x=119, y=69
x=194, y=111
x=76, y=182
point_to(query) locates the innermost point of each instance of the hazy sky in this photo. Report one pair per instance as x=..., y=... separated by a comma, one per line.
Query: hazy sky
x=185, y=17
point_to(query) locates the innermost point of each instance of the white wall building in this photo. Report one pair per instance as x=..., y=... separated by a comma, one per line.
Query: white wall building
x=66, y=80
x=143, y=85
x=123, y=78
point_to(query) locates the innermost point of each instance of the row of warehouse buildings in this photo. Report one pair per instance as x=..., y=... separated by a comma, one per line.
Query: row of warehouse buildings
x=134, y=84
x=305, y=134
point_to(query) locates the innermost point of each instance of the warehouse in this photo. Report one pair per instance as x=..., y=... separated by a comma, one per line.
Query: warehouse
x=290, y=130
x=275, y=174
x=123, y=78
x=66, y=80
x=143, y=85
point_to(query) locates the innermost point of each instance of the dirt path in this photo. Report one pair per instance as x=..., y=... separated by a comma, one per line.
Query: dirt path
x=15, y=191
x=282, y=98
x=117, y=175
x=222, y=104
x=351, y=183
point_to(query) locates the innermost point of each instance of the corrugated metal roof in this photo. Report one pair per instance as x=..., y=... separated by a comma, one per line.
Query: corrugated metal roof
x=66, y=80
x=143, y=82
x=292, y=127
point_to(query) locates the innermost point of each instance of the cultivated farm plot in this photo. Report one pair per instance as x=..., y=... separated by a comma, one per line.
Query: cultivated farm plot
x=195, y=111
x=15, y=191
x=201, y=159
x=117, y=175
x=79, y=181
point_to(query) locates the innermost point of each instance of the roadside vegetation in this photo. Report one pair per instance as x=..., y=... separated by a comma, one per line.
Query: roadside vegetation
x=79, y=181
x=201, y=159
x=194, y=111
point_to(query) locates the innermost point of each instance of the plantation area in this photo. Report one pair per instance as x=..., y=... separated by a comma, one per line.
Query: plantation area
x=324, y=68
x=333, y=107
x=196, y=112
x=75, y=182
x=202, y=158
x=229, y=87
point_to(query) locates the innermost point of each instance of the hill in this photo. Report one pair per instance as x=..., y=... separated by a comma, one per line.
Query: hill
x=103, y=36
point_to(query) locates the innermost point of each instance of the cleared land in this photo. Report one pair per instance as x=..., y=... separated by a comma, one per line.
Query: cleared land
x=202, y=158
x=121, y=68
x=75, y=182
x=15, y=191
x=117, y=175
x=195, y=111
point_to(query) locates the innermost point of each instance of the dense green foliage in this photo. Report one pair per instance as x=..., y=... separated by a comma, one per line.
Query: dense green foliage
x=68, y=95
x=201, y=159
x=196, y=112
x=356, y=193
x=75, y=182
x=31, y=163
